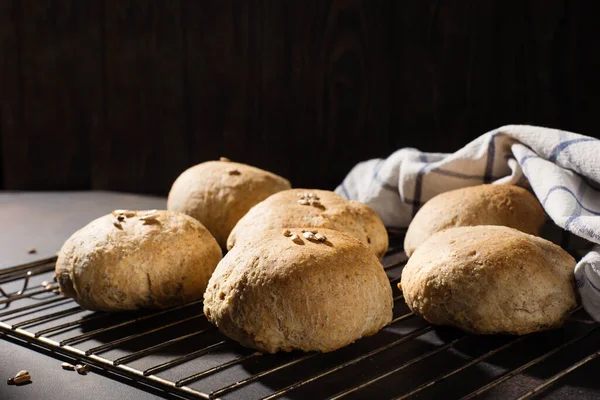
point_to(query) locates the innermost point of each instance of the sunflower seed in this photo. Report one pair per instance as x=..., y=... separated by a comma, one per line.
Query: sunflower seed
x=320, y=238
x=32, y=251
x=287, y=233
x=20, y=377
x=224, y=159
x=309, y=235
x=303, y=202
x=148, y=217
x=126, y=213
x=82, y=369
x=233, y=172
x=67, y=366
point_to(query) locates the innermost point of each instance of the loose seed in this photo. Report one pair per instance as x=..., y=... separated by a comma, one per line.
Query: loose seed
x=309, y=235
x=320, y=238
x=44, y=283
x=117, y=224
x=148, y=217
x=295, y=238
x=67, y=366
x=287, y=233
x=225, y=159
x=127, y=213
x=303, y=202
x=315, y=203
x=31, y=251
x=82, y=369
x=20, y=377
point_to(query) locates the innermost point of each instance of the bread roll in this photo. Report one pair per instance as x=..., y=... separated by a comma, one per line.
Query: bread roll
x=279, y=291
x=137, y=259
x=505, y=205
x=219, y=193
x=490, y=280
x=298, y=208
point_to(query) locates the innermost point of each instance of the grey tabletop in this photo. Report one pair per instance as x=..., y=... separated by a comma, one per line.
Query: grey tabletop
x=43, y=221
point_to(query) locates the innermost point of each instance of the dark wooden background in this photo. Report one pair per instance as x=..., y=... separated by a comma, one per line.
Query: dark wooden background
x=125, y=94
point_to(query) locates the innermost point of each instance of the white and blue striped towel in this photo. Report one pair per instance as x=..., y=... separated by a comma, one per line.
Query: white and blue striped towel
x=562, y=169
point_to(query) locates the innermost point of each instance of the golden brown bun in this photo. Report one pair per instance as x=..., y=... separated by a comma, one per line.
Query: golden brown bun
x=279, y=293
x=505, y=205
x=284, y=210
x=219, y=193
x=489, y=280
x=150, y=259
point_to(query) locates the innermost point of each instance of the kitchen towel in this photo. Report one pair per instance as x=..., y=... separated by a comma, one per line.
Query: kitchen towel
x=562, y=169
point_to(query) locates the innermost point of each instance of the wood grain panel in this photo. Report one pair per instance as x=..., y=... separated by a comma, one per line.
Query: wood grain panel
x=124, y=95
x=10, y=99
x=237, y=82
x=582, y=78
x=339, y=89
x=60, y=95
x=466, y=69
x=144, y=144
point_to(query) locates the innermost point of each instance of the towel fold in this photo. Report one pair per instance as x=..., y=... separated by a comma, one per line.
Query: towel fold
x=561, y=168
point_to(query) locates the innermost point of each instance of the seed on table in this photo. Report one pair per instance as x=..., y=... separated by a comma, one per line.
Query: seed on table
x=82, y=369
x=20, y=377
x=67, y=366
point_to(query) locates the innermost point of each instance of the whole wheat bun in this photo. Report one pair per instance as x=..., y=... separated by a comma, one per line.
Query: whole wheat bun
x=289, y=209
x=505, y=205
x=131, y=260
x=281, y=293
x=490, y=280
x=219, y=193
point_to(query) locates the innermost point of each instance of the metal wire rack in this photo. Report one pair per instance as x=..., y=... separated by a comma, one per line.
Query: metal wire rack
x=178, y=351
